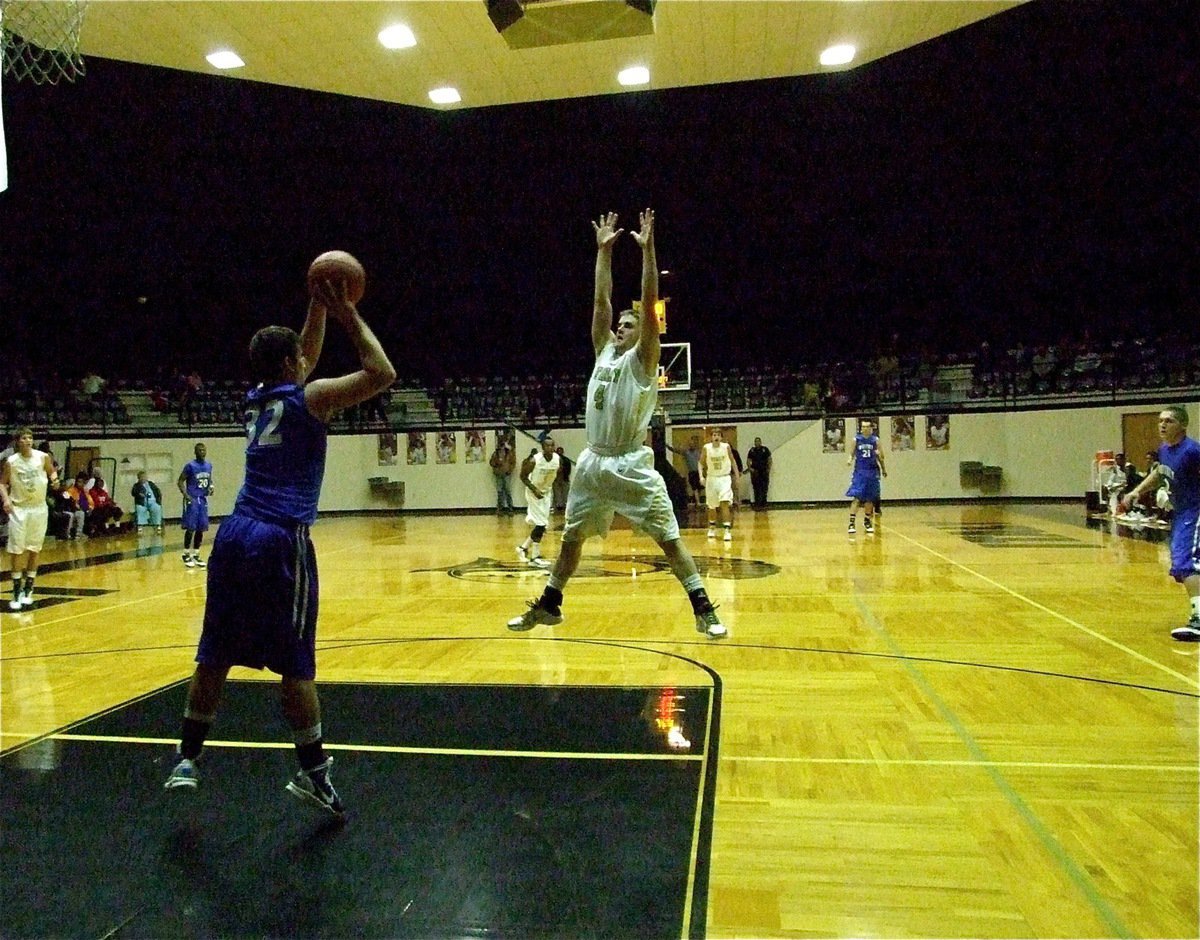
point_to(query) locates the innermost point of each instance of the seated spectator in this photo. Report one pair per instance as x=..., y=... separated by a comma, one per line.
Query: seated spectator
x=91, y=384
x=62, y=514
x=79, y=507
x=1115, y=482
x=147, y=502
x=105, y=513
x=1045, y=359
x=1132, y=477
x=160, y=399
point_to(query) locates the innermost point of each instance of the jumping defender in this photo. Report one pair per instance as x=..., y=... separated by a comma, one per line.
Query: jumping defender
x=615, y=472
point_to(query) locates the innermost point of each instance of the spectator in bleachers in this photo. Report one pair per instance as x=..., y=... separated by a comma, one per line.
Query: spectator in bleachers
x=91, y=384
x=10, y=440
x=1045, y=360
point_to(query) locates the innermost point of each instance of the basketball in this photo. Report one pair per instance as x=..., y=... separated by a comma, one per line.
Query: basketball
x=338, y=267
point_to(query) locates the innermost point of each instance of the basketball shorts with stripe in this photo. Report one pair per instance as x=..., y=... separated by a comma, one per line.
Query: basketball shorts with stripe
x=261, y=610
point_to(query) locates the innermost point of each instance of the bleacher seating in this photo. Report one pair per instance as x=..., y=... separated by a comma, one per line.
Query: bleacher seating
x=1067, y=373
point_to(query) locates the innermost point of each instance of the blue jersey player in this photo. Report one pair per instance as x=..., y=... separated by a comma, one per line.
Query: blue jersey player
x=1179, y=467
x=195, y=483
x=261, y=608
x=867, y=458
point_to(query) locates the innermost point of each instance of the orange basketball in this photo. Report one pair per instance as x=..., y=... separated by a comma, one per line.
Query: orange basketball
x=338, y=267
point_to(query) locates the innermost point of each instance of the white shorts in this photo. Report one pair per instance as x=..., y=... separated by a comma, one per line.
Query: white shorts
x=718, y=490
x=27, y=528
x=628, y=484
x=537, y=511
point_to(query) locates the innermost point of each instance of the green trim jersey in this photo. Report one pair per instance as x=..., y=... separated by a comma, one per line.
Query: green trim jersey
x=717, y=459
x=28, y=480
x=620, y=402
x=544, y=471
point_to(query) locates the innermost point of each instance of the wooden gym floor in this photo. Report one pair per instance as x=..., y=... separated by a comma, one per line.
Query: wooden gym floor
x=973, y=724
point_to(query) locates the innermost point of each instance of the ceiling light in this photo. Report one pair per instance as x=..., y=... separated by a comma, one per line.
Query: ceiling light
x=397, y=37
x=637, y=75
x=838, y=55
x=445, y=96
x=225, y=59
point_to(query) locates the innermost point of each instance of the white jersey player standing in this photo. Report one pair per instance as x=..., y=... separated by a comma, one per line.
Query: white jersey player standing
x=719, y=477
x=615, y=473
x=538, y=474
x=24, y=478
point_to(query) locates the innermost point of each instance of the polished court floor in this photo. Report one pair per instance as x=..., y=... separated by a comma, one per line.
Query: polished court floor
x=972, y=724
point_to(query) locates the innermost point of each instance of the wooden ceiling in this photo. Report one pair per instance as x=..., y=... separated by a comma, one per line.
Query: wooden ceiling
x=332, y=46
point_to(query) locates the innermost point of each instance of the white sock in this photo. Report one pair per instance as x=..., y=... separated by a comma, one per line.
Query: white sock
x=1196, y=607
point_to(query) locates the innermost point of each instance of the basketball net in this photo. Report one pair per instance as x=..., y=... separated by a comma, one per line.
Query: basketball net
x=3, y=151
x=39, y=42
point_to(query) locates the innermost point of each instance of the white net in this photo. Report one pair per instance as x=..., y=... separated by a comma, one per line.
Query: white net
x=39, y=40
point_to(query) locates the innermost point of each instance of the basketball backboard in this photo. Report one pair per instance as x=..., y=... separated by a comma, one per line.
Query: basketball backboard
x=675, y=367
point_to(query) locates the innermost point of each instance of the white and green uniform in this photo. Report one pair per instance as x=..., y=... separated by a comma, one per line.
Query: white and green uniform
x=542, y=476
x=27, y=483
x=718, y=479
x=615, y=472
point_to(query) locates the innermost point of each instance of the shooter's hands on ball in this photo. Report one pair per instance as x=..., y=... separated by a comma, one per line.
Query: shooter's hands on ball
x=334, y=297
x=646, y=235
x=606, y=230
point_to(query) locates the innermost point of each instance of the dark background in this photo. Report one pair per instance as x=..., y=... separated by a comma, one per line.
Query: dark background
x=1029, y=177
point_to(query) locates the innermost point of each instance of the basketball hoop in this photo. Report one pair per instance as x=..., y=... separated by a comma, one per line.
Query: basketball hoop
x=39, y=40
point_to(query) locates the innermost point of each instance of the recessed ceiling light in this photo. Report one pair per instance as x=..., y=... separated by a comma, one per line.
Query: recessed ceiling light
x=445, y=96
x=637, y=75
x=838, y=55
x=397, y=37
x=225, y=59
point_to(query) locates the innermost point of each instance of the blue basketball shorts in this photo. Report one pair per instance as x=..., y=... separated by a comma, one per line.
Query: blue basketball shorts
x=1185, y=544
x=261, y=609
x=195, y=514
x=864, y=487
